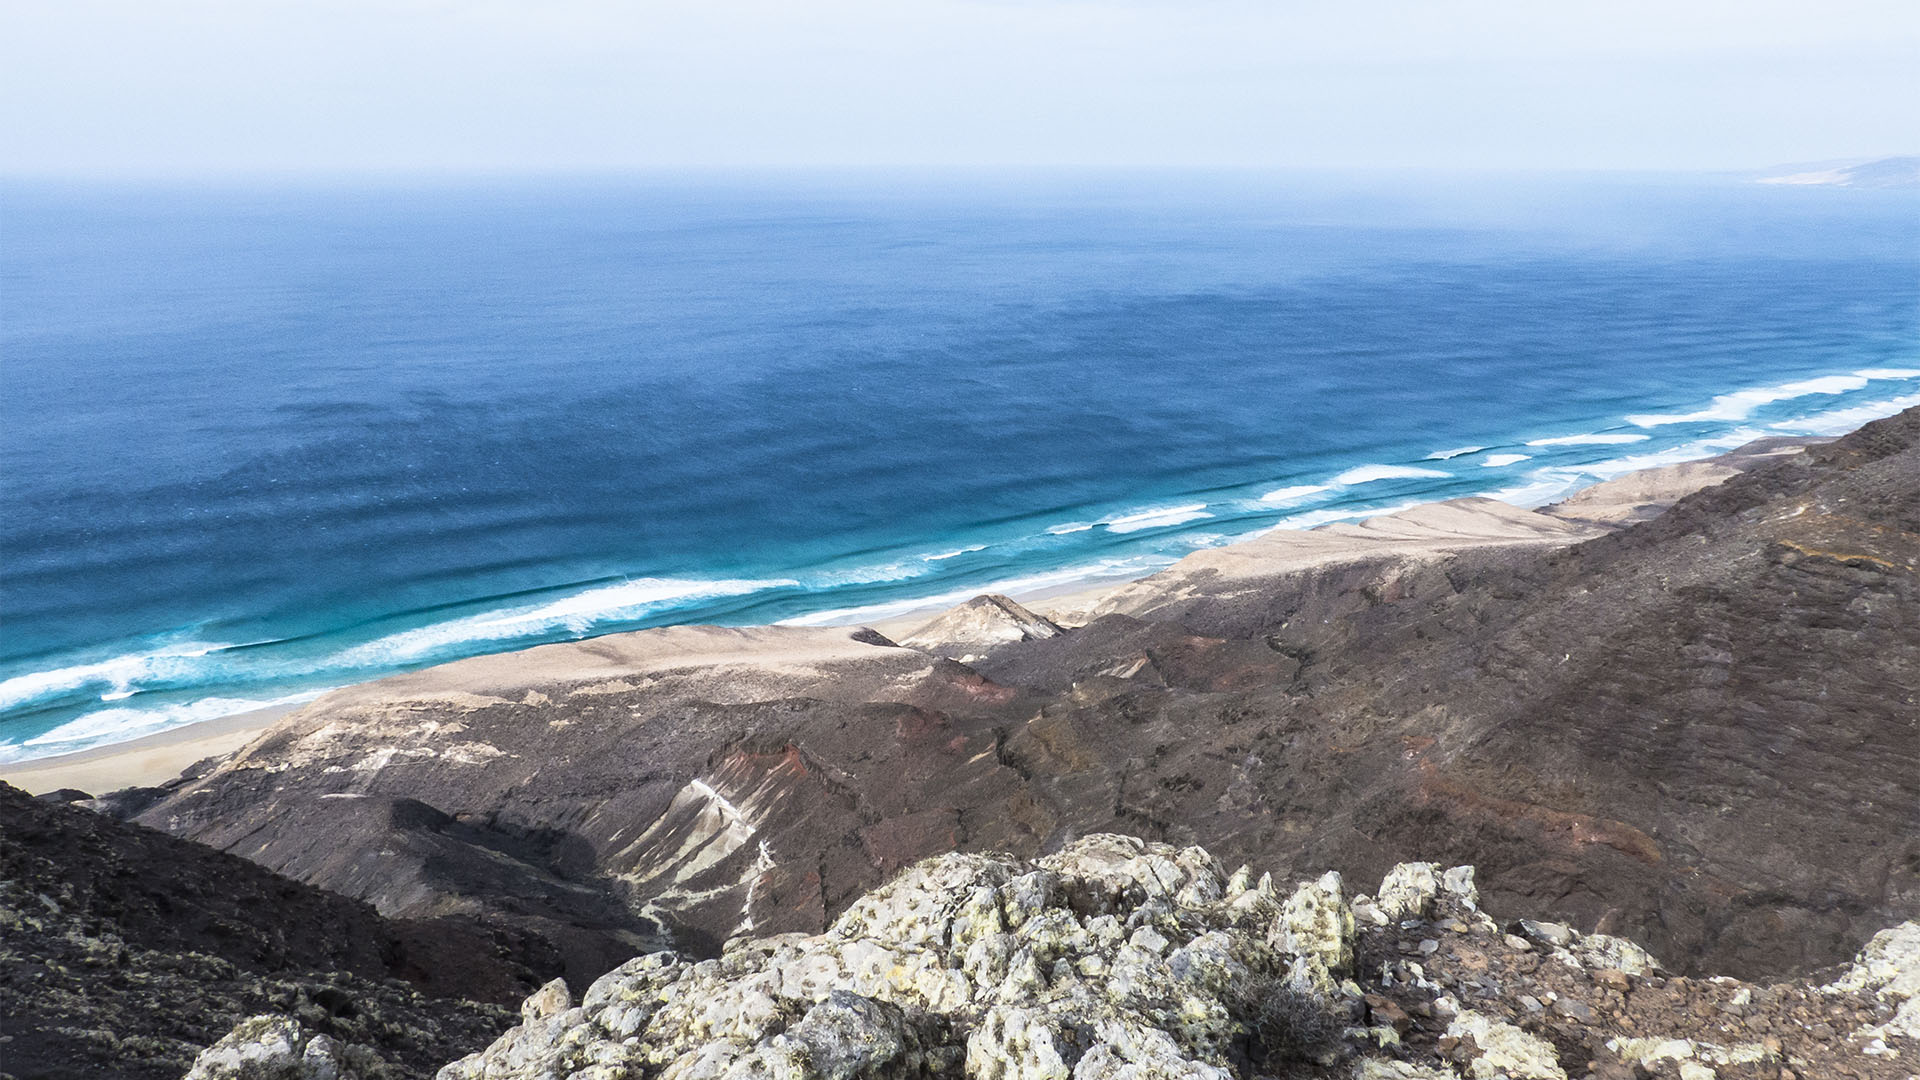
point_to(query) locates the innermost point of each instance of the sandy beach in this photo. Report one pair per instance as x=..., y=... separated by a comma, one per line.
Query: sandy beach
x=144, y=762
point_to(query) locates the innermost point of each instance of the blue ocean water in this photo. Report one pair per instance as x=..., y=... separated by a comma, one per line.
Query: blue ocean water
x=261, y=440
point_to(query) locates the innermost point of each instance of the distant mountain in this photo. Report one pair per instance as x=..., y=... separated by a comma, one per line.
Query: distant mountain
x=1892, y=172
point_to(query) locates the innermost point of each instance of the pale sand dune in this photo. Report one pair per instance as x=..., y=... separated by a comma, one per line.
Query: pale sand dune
x=789, y=652
x=1426, y=531
x=1640, y=495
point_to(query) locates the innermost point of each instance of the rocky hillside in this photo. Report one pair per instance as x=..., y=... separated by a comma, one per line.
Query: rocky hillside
x=1698, y=730
x=124, y=951
x=1115, y=959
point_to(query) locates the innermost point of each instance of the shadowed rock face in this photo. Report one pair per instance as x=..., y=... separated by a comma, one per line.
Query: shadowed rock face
x=674, y=785
x=123, y=951
x=1699, y=732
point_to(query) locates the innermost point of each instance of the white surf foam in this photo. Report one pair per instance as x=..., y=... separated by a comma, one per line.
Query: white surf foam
x=1541, y=487
x=1740, y=404
x=122, y=673
x=1495, y=461
x=1070, y=527
x=575, y=614
x=1157, y=519
x=905, y=570
x=954, y=554
x=1889, y=373
x=1841, y=421
x=1688, y=451
x=1105, y=570
x=1367, y=474
x=1551, y=482
x=1316, y=518
x=105, y=726
x=1548, y=483
x=1293, y=494
x=1461, y=451
x=1595, y=439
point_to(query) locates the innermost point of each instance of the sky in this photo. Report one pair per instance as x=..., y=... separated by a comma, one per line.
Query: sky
x=144, y=87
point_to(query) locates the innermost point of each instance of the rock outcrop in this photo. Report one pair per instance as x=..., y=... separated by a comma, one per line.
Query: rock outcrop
x=1115, y=959
x=978, y=627
x=1698, y=732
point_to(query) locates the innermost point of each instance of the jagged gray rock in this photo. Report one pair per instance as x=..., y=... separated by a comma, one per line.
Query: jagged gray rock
x=1112, y=960
x=278, y=1048
x=1119, y=959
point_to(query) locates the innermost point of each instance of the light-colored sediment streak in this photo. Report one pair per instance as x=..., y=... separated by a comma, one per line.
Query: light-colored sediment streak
x=725, y=804
x=702, y=828
x=761, y=866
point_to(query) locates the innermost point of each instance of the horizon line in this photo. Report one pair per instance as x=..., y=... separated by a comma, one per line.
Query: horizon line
x=913, y=169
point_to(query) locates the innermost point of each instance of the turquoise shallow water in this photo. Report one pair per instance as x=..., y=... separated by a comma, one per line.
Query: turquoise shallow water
x=260, y=441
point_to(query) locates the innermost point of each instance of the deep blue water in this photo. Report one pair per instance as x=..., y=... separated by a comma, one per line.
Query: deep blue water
x=256, y=441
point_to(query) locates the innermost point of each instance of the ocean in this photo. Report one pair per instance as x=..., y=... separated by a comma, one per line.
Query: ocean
x=260, y=439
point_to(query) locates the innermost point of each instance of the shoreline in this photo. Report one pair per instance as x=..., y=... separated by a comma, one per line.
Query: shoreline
x=147, y=761
x=152, y=760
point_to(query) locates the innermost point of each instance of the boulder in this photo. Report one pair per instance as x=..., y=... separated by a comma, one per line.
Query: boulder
x=278, y=1048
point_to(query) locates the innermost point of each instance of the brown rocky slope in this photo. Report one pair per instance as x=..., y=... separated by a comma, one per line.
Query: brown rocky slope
x=1699, y=732
x=123, y=951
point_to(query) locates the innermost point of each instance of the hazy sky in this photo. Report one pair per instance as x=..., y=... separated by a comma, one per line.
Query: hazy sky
x=144, y=86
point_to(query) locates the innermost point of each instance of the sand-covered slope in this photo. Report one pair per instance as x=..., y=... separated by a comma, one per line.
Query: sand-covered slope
x=1249, y=574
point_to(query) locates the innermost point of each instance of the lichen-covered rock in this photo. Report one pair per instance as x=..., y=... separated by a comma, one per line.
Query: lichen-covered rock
x=1687, y=1053
x=1316, y=928
x=849, y=1036
x=1505, y=1050
x=1388, y=1069
x=1457, y=882
x=278, y=1048
x=1889, y=968
x=1889, y=964
x=1617, y=953
x=1407, y=891
x=1118, y=959
x=1113, y=959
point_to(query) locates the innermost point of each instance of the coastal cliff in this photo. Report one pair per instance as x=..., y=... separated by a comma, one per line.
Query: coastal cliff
x=1697, y=731
x=1676, y=716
